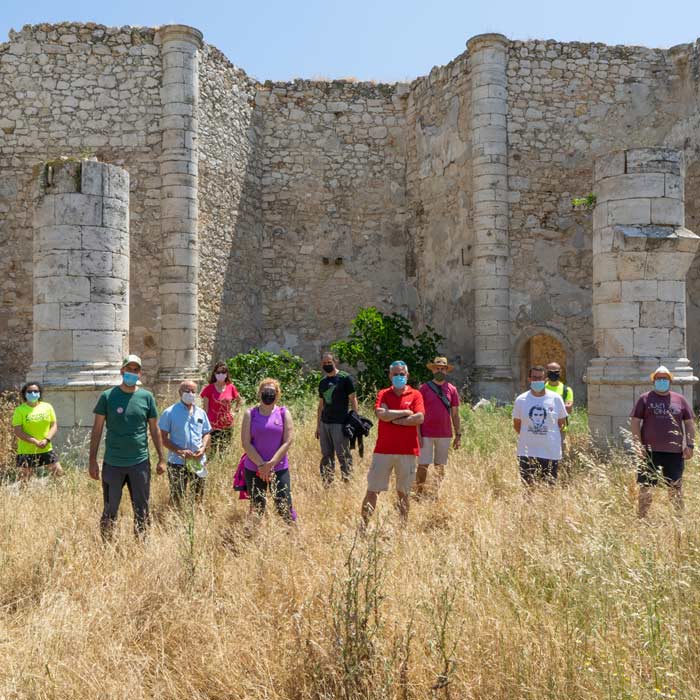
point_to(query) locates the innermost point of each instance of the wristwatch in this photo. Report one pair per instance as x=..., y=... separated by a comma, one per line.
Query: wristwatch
x=690, y=445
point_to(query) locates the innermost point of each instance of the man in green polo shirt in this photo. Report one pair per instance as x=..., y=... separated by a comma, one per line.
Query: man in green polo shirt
x=129, y=413
x=555, y=384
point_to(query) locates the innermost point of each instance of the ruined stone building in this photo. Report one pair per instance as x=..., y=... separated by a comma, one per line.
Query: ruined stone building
x=237, y=214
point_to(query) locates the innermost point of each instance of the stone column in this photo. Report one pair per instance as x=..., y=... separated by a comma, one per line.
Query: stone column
x=488, y=58
x=641, y=254
x=180, y=47
x=81, y=286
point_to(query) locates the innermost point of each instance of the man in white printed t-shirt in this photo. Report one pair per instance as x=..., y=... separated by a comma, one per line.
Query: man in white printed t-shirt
x=538, y=417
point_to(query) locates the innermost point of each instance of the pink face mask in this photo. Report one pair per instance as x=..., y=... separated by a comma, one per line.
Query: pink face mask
x=221, y=377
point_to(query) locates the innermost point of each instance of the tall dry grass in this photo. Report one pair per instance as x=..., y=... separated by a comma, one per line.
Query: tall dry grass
x=487, y=594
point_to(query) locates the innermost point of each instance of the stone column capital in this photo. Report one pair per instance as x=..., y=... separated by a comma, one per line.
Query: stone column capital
x=180, y=32
x=485, y=41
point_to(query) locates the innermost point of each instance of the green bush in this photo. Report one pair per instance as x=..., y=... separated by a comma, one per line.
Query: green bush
x=248, y=369
x=377, y=339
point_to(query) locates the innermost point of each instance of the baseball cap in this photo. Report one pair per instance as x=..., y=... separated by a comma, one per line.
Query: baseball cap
x=131, y=358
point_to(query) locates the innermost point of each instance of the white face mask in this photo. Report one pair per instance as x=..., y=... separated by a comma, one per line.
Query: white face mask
x=188, y=397
x=220, y=377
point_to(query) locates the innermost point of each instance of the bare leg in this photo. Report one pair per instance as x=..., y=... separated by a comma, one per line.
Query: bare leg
x=439, y=476
x=675, y=494
x=644, y=502
x=421, y=477
x=403, y=505
x=55, y=469
x=369, y=505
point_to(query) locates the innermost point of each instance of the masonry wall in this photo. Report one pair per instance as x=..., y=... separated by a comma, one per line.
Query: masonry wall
x=439, y=175
x=335, y=216
x=69, y=89
x=230, y=218
x=569, y=103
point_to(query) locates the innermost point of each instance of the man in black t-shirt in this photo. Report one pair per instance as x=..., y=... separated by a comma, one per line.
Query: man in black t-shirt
x=336, y=393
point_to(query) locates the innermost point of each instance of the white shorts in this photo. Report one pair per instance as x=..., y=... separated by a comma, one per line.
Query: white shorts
x=434, y=450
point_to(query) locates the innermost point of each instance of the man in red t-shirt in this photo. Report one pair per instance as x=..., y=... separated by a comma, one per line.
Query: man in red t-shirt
x=664, y=435
x=399, y=409
x=441, y=413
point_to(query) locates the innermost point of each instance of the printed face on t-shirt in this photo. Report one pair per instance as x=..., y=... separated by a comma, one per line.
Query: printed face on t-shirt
x=538, y=420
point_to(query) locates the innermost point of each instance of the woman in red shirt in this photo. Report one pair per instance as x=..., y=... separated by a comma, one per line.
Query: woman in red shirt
x=217, y=398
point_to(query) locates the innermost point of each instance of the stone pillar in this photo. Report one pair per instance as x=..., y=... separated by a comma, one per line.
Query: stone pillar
x=641, y=254
x=81, y=286
x=488, y=58
x=180, y=47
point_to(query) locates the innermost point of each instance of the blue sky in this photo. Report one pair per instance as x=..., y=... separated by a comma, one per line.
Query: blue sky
x=383, y=40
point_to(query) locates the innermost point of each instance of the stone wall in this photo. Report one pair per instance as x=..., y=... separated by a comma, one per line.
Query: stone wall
x=439, y=177
x=335, y=234
x=569, y=103
x=71, y=89
x=318, y=197
x=230, y=217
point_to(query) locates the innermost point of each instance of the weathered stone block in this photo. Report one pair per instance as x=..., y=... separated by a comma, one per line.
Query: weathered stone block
x=47, y=316
x=668, y=212
x=614, y=342
x=651, y=342
x=51, y=264
x=654, y=160
x=61, y=289
x=674, y=187
x=53, y=346
x=93, y=262
x=629, y=211
x=631, y=266
x=57, y=238
x=607, y=292
x=109, y=290
x=657, y=314
x=609, y=165
x=639, y=290
x=671, y=290
x=104, y=239
x=91, y=177
x=115, y=214
x=622, y=315
x=624, y=187
x=88, y=316
x=78, y=210
x=105, y=344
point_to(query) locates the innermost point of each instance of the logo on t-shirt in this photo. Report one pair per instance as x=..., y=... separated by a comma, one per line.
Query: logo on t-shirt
x=328, y=394
x=538, y=420
x=120, y=409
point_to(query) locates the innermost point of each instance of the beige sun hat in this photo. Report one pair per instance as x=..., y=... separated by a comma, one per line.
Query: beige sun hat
x=661, y=370
x=440, y=363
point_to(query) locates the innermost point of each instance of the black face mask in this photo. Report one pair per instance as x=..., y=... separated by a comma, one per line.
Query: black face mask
x=268, y=396
x=327, y=368
x=553, y=376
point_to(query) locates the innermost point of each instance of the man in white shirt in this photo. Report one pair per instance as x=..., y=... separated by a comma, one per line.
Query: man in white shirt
x=538, y=417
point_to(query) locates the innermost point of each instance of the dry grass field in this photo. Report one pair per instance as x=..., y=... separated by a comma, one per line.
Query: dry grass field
x=487, y=594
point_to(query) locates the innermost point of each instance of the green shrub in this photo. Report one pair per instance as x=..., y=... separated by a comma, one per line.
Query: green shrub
x=248, y=369
x=377, y=339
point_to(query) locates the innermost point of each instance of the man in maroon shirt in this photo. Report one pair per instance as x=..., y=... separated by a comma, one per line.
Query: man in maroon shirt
x=664, y=434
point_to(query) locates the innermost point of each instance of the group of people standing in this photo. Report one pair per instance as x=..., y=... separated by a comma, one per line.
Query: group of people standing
x=416, y=429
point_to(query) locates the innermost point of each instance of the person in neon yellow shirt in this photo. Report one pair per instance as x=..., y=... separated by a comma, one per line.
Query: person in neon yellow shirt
x=555, y=384
x=34, y=425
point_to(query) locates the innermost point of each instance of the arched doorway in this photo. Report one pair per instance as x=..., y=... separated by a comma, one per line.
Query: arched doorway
x=541, y=349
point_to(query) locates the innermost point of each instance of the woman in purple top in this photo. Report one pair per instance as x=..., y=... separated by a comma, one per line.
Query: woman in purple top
x=266, y=434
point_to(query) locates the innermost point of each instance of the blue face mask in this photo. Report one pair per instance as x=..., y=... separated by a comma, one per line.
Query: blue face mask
x=399, y=381
x=662, y=385
x=33, y=396
x=537, y=386
x=130, y=379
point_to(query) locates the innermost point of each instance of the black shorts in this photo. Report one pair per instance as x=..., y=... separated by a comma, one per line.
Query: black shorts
x=534, y=469
x=666, y=465
x=36, y=461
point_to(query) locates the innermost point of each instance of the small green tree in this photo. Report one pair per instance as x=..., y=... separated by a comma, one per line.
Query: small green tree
x=248, y=369
x=377, y=339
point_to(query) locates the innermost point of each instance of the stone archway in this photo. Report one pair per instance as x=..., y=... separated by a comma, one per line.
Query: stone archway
x=540, y=346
